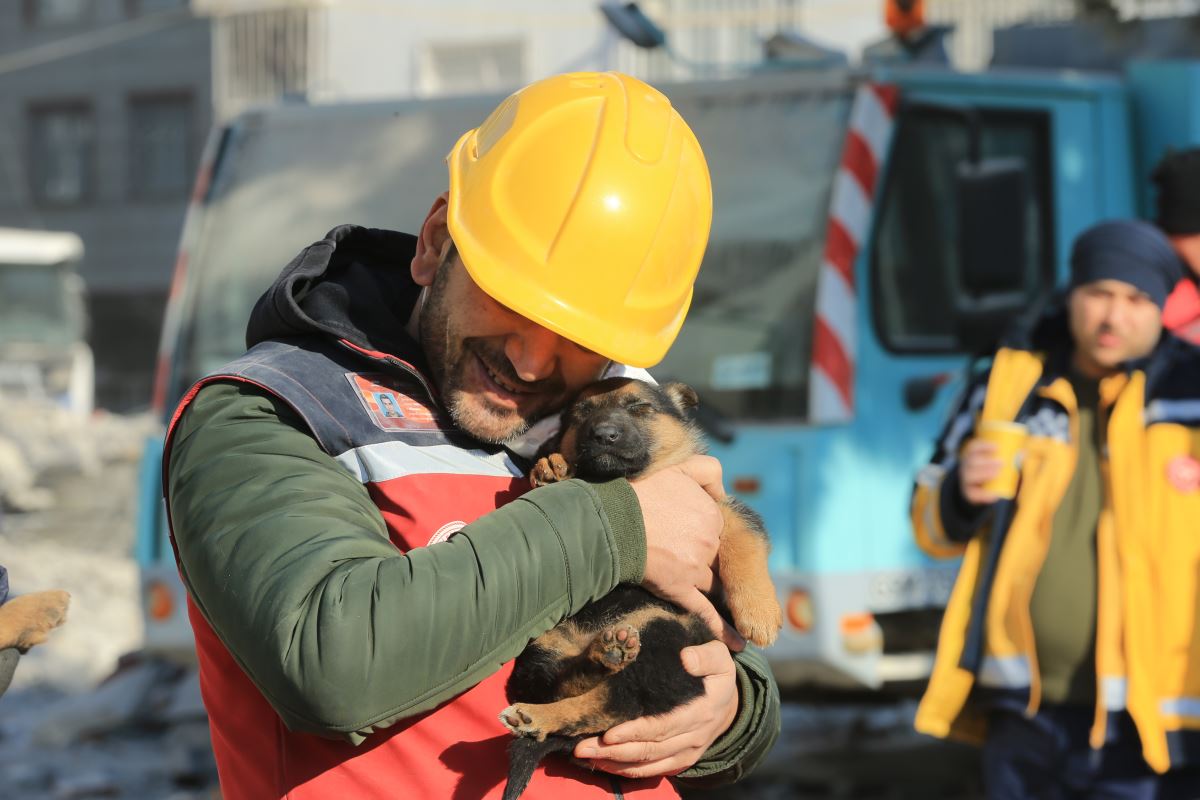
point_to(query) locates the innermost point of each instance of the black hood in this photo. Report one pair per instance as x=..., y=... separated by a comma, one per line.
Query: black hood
x=354, y=284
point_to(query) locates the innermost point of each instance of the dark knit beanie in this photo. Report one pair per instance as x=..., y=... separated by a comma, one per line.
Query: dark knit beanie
x=1132, y=251
x=1177, y=177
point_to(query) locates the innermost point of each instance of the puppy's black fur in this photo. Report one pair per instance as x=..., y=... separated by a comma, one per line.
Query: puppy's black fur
x=618, y=658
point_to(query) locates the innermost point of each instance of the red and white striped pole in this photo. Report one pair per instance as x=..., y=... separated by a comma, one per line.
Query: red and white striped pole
x=831, y=385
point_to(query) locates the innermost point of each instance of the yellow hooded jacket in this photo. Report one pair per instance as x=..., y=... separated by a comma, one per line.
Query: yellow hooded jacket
x=1147, y=548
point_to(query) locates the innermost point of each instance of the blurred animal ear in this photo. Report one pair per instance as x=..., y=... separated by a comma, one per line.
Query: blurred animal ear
x=682, y=395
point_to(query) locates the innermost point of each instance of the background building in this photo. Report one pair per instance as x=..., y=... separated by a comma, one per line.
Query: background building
x=105, y=104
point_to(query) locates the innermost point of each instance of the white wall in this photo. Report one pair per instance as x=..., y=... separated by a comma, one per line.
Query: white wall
x=385, y=49
x=846, y=25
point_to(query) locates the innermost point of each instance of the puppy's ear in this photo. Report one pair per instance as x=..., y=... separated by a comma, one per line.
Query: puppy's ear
x=682, y=395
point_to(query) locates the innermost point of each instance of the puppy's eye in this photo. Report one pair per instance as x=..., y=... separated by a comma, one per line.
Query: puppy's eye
x=641, y=408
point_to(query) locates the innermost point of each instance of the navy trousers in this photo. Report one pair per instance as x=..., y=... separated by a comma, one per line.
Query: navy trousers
x=1049, y=758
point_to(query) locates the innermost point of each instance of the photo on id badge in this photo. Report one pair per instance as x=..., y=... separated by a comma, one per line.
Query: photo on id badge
x=386, y=401
x=395, y=405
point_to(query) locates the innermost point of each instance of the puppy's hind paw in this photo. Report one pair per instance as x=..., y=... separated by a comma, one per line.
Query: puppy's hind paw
x=520, y=719
x=616, y=647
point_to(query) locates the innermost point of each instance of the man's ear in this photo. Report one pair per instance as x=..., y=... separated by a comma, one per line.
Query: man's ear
x=432, y=242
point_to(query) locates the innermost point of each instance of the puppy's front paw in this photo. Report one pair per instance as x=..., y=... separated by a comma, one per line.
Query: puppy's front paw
x=550, y=469
x=756, y=613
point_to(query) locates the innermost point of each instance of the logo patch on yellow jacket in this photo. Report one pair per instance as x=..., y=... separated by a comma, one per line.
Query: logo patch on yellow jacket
x=1183, y=472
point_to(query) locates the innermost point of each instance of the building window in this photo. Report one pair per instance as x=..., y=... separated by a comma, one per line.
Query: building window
x=160, y=138
x=472, y=67
x=62, y=149
x=57, y=12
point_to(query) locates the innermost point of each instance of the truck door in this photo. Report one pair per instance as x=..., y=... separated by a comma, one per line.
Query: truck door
x=864, y=603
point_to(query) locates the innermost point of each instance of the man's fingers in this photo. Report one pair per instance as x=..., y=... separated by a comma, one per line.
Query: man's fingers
x=706, y=471
x=665, y=767
x=981, y=447
x=641, y=731
x=640, y=759
x=702, y=607
x=703, y=660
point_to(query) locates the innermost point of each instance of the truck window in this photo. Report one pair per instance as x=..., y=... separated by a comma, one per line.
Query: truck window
x=747, y=341
x=914, y=256
x=33, y=305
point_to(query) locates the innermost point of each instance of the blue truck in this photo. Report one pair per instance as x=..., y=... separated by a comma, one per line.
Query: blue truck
x=873, y=230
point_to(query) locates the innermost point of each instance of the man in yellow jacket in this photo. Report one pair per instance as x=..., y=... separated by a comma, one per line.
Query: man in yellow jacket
x=1070, y=646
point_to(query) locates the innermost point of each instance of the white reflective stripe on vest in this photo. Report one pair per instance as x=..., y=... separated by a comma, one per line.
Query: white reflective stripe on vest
x=375, y=463
x=1113, y=690
x=1172, y=411
x=1180, y=706
x=930, y=477
x=1011, y=672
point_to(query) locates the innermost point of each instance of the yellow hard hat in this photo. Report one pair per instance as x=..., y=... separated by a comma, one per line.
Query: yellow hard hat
x=583, y=203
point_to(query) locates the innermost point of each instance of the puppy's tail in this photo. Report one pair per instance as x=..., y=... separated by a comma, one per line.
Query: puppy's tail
x=524, y=754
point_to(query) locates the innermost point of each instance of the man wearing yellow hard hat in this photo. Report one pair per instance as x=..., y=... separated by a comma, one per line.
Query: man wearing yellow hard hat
x=360, y=578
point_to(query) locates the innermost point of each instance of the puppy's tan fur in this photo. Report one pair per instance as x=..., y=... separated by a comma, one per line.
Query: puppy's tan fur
x=27, y=620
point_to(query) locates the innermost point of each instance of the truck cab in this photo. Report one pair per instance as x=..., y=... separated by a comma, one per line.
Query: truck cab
x=44, y=356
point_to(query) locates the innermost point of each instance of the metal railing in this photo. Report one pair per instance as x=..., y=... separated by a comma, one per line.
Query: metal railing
x=264, y=50
x=265, y=56
x=707, y=36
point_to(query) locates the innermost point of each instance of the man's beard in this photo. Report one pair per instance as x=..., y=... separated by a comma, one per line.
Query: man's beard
x=450, y=359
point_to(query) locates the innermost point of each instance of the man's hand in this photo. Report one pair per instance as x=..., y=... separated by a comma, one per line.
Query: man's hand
x=978, y=465
x=683, y=531
x=670, y=743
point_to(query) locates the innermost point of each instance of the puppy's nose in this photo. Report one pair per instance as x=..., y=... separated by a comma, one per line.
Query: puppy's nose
x=606, y=433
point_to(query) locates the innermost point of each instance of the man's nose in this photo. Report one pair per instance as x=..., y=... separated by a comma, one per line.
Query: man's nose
x=533, y=352
x=1117, y=312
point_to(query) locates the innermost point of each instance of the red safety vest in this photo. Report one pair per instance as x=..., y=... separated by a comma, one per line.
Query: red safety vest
x=377, y=417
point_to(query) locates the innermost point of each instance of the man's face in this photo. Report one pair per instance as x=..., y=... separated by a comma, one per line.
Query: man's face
x=498, y=372
x=1188, y=248
x=1111, y=322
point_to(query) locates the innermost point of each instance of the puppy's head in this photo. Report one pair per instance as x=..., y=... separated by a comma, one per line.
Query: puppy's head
x=622, y=427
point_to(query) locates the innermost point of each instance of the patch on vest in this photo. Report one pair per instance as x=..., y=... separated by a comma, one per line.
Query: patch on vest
x=446, y=531
x=1184, y=473
x=396, y=404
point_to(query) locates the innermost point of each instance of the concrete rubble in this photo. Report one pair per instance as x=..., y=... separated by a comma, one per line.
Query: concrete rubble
x=39, y=439
x=86, y=715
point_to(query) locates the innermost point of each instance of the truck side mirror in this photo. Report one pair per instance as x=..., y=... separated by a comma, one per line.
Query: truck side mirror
x=994, y=281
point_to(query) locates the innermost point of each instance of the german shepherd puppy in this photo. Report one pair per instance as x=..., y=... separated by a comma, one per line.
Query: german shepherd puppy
x=618, y=658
